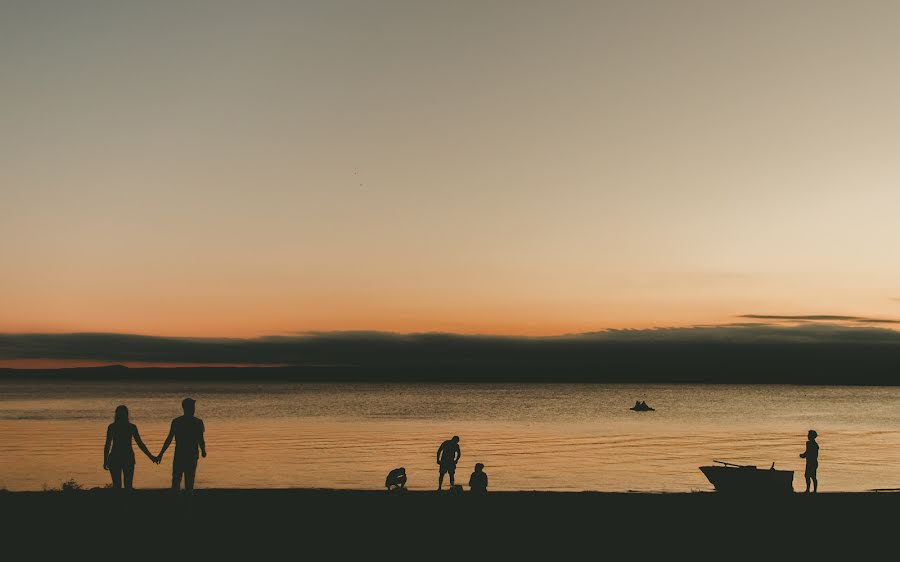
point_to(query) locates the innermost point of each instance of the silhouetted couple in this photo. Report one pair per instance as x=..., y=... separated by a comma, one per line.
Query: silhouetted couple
x=187, y=430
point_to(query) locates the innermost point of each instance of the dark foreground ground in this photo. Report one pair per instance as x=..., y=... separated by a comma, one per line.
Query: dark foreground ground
x=330, y=524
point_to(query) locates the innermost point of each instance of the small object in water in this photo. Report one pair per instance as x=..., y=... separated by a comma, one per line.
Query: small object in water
x=456, y=489
x=396, y=479
x=747, y=479
x=641, y=406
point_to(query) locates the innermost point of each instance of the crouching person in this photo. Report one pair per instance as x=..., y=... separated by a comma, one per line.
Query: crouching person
x=396, y=479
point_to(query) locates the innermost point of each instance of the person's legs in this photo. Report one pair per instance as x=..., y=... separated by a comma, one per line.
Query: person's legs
x=441, y=477
x=177, y=471
x=807, y=483
x=190, y=470
x=115, y=471
x=452, y=471
x=814, y=480
x=128, y=472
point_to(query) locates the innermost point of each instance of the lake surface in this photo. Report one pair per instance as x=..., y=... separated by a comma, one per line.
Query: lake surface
x=530, y=437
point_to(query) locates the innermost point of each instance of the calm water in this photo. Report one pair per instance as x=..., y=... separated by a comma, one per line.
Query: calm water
x=530, y=437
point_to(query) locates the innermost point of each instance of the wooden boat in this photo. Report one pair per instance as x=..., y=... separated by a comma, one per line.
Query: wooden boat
x=744, y=479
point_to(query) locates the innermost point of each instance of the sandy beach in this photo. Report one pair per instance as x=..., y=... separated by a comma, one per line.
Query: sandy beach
x=427, y=524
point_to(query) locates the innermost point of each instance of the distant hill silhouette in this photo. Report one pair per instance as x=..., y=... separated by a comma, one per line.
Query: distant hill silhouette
x=810, y=353
x=562, y=361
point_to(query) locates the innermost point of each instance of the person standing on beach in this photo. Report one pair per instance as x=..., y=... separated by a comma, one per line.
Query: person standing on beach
x=188, y=433
x=118, y=456
x=448, y=455
x=812, y=460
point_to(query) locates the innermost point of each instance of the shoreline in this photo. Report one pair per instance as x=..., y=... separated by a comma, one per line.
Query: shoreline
x=367, y=492
x=361, y=522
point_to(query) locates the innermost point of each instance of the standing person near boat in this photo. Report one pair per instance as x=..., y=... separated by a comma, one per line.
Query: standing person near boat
x=812, y=460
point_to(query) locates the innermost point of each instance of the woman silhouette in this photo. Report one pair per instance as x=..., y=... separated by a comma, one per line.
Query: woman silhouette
x=119, y=460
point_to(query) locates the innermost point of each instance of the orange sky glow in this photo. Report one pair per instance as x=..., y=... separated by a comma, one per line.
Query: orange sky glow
x=221, y=170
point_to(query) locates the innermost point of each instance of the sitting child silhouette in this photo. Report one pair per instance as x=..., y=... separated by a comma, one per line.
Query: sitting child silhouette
x=478, y=482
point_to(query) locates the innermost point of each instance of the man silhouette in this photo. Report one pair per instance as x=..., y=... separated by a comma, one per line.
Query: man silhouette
x=188, y=433
x=811, y=454
x=448, y=455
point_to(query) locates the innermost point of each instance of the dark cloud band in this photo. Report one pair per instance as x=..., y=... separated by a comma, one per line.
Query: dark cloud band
x=354, y=348
x=822, y=318
x=808, y=353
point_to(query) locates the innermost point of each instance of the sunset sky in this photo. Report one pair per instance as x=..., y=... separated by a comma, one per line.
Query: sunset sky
x=250, y=168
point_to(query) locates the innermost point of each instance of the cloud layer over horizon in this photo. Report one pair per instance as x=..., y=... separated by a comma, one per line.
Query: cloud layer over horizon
x=344, y=348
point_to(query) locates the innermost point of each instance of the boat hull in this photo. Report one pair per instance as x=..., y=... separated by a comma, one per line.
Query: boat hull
x=749, y=479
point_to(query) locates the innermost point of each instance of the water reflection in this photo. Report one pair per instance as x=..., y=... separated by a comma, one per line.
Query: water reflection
x=566, y=437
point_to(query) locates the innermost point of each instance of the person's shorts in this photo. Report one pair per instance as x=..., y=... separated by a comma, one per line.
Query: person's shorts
x=448, y=468
x=182, y=465
x=120, y=459
x=811, y=469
